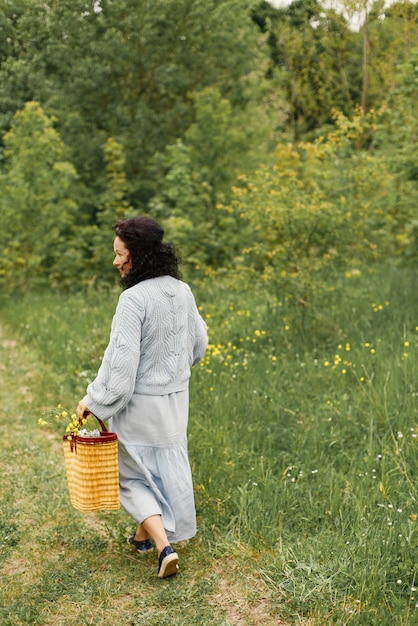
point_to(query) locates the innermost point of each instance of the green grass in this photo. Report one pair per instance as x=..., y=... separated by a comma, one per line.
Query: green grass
x=59, y=566
x=303, y=442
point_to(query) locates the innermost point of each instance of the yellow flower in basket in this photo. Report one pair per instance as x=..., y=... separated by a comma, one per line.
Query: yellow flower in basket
x=70, y=420
x=91, y=463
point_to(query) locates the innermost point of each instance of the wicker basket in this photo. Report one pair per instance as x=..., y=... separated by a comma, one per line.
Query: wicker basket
x=91, y=464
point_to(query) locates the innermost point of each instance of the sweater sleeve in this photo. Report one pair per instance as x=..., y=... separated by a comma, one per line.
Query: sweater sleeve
x=200, y=338
x=114, y=384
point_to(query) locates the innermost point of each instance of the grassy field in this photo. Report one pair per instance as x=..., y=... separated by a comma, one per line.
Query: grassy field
x=303, y=443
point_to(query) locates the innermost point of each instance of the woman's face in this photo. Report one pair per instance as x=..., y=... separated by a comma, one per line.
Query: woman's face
x=123, y=259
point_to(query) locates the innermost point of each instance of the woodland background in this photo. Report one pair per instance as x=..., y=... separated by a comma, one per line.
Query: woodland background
x=273, y=144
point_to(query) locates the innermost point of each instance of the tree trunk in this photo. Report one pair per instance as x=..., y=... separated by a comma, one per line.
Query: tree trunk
x=365, y=84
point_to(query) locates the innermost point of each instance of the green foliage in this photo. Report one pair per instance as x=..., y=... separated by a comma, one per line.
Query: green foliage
x=323, y=64
x=323, y=205
x=225, y=142
x=183, y=206
x=37, y=209
x=398, y=136
x=310, y=52
x=197, y=175
x=114, y=206
x=133, y=67
x=167, y=110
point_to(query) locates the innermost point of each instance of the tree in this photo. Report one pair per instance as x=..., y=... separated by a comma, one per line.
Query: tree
x=114, y=206
x=37, y=208
x=133, y=67
x=197, y=174
x=384, y=39
x=324, y=206
x=309, y=47
x=398, y=140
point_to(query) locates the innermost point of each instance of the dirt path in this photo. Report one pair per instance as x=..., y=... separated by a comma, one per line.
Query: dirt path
x=61, y=568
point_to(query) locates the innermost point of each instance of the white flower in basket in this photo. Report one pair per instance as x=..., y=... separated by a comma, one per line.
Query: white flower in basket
x=91, y=463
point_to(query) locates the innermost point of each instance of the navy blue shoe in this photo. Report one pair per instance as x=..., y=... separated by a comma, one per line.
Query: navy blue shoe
x=143, y=546
x=168, y=562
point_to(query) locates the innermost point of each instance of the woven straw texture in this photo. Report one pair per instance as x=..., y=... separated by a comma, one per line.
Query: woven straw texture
x=92, y=472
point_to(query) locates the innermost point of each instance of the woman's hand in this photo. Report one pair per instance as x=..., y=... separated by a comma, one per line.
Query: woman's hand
x=82, y=410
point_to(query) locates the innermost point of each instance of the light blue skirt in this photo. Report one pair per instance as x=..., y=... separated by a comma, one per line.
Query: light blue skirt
x=154, y=469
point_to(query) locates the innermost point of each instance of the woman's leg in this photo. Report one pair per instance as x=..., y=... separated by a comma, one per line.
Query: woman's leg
x=167, y=556
x=153, y=527
x=141, y=534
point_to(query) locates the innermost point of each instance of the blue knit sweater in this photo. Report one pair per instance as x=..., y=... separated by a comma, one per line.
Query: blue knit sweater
x=157, y=335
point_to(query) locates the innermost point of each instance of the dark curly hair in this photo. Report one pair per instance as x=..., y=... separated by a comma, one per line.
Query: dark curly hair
x=151, y=257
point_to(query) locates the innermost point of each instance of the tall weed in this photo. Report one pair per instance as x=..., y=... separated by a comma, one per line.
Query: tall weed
x=303, y=445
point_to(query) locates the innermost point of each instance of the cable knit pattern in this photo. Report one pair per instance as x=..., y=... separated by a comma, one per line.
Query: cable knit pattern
x=157, y=335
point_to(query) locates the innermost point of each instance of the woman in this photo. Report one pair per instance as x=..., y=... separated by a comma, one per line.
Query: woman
x=142, y=384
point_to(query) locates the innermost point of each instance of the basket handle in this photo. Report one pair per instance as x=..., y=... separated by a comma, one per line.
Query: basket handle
x=102, y=424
